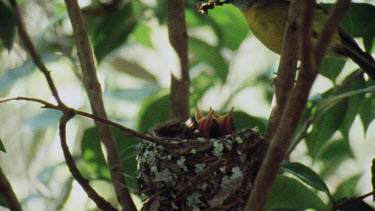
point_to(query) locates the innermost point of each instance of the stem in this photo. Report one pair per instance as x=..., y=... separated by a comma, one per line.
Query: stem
x=180, y=81
x=8, y=193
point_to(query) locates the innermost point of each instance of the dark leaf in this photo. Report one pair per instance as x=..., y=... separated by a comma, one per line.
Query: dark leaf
x=289, y=193
x=94, y=161
x=3, y=202
x=244, y=120
x=154, y=110
x=203, y=52
x=347, y=188
x=366, y=114
x=7, y=25
x=331, y=67
x=2, y=147
x=112, y=31
x=307, y=175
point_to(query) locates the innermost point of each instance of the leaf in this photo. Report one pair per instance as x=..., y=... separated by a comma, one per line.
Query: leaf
x=46, y=175
x=199, y=85
x=112, y=31
x=134, y=95
x=95, y=164
x=289, y=193
x=359, y=22
x=154, y=109
x=244, y=120
x=203, y=52
x=10, y=77
x=331, y=67
x=7, y=25
x=2, y=147
x=307, y=175
x=44, y=119
x=325, y=126
x=232, y=33
x=3, y=202
x=347, y=188
x=142, y=34
x=133, y=69
x=366, y=114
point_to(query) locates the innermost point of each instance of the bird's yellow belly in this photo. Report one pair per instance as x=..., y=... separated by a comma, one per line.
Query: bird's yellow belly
x=269, y=29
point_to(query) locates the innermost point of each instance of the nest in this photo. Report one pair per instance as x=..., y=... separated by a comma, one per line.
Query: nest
x=196, y=173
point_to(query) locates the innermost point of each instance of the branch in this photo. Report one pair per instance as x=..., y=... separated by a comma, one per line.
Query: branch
x=96, y=118
x=295, y=106
x=8, y=193
x=34, y=55
x=94, y=92
x=99, y=201
x=180, y=81
x=286, y=74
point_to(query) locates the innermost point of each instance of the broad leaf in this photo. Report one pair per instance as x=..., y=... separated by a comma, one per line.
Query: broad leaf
x=2, y=147
x=307, y=175
x=94, y=161
x=3, y=202
x=289, y=193
x=7, y=25
x=154, y=110
x=347, y=188
x=366, y=114
x=203, y=52
x=244, y=120
x=134, y=95
x=142, y=34
x=331, y=67
x=112, y=31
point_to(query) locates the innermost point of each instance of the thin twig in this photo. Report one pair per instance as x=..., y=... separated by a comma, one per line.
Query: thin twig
x=94, y=117
x=8, y=193
x=33, y=53
x=93, y=88
x=99, y=201
x=180, y=81
x=351, y=201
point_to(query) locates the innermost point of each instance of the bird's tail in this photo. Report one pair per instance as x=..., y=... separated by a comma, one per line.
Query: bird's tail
x=351, y=49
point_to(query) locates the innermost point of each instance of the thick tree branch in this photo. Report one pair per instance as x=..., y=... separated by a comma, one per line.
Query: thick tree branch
x=180, y=80
x=296, y=103
x=8, y=193
x=94, y=92
x=286, y=74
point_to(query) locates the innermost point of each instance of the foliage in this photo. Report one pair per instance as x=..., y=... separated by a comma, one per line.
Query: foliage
x=130, y=46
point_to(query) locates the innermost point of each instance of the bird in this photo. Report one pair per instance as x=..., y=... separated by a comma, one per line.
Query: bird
x=267, y=20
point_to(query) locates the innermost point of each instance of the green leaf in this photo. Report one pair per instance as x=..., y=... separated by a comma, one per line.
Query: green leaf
x=244, y=120
x=46, y=175
x=347, y=188
x=10, y=77
x=94, y=161
x=7, y=25
x=133, y=69
x=325, y=126
x=359, y=22
x=331, y=67
x=142, y=34
x=359, y=90
x=232, y=33
x=289, y=193
x=154, y=110
x=112, y=31
x=134, y=95
x=203, y=52
x=44, y=119
x=2, y=147
x=307, y=175
x=366, y=114
x=3, y=202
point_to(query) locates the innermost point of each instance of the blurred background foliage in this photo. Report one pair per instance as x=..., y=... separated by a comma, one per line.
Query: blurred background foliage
x=228, y=68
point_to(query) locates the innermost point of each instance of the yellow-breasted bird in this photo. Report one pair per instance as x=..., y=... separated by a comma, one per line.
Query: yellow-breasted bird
x=267, y=20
